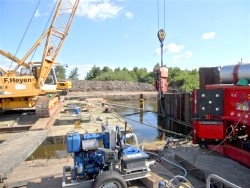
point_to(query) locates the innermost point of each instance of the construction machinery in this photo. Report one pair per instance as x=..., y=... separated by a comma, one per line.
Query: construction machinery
x=222, y=114
x=161, y=80
x=104, y=159
x=63, y=86
x=34, y=85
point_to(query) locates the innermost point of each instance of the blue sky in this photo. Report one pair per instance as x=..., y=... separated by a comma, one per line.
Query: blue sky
x=123, y=33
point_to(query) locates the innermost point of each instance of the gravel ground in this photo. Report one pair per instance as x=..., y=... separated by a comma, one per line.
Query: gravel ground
x=115, y=95
x=86, y=85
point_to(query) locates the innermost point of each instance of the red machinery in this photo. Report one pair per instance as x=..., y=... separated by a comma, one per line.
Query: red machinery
x=161, y=82
x=222, y=114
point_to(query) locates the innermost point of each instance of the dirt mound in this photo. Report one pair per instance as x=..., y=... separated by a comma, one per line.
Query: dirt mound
x=86, y=85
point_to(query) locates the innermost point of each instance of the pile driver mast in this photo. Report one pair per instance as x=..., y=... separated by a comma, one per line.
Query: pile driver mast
x=23, y=90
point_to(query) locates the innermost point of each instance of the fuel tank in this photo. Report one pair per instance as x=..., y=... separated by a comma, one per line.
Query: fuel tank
x=230, y=74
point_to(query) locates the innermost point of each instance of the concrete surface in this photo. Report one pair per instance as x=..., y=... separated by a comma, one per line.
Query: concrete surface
x=201, y=163
x=92, y=115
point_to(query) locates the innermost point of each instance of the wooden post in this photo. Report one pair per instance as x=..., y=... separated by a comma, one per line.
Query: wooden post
x=126, y=124
x=141, y=101
x=141, y=108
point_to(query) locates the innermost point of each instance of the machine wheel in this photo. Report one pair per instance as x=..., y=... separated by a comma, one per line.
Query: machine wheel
x=64, y=92
x=202, y=146
x=109, y=179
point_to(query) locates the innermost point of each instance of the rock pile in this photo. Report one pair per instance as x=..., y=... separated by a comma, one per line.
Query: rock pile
x=86, y=85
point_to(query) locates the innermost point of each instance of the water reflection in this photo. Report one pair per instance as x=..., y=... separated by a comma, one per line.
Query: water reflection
x=144, y=124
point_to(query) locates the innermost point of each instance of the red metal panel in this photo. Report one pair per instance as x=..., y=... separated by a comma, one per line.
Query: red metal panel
x=210, y=130
x=235, y=73
x=228, y=86
x=237, y=154
x=237, y=102
x=195, y=137
x=164, y=85
x=236, y=114
x=237, y=105
x=162, y=79
x=163, y=72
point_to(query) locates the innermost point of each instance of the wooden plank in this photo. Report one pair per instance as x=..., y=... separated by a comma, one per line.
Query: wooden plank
x=15, y=129
x=17, y=149
x=186, y=108
x=152, y=181
x=46, y=123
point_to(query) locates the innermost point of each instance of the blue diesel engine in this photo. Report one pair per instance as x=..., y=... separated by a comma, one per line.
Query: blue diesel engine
x=99, y=152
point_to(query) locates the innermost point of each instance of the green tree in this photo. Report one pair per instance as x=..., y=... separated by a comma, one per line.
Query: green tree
x=118, y=69
x=157, y=65
x=122, y=76
x=149, y=78
x=141, y=74
x=73, y=75
x=135, y=69
x=106, y=69
x=186, y=80
x=125, y=69
x=93, y=73
x=60, y=72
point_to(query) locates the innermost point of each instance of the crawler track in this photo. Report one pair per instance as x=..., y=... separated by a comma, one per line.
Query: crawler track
x=45, y=105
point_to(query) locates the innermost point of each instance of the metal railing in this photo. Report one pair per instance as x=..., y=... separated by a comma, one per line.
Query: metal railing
x=220, y=179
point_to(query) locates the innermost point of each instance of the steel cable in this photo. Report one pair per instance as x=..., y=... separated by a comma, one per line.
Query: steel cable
x=25, y=31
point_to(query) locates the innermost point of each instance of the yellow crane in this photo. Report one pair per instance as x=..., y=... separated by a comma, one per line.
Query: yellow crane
x=33, y=85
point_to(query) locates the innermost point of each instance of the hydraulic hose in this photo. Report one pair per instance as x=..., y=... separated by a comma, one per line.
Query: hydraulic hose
x=170, y=162
x=132, y=135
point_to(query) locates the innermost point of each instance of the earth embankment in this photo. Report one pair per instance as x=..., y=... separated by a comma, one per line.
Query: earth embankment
x=113, y=90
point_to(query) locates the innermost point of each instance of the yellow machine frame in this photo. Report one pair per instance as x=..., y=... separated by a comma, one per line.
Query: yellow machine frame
x=22, y=91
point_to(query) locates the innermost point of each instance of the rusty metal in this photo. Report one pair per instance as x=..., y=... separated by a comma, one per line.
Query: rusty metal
x=176, y=110
x=209, y=76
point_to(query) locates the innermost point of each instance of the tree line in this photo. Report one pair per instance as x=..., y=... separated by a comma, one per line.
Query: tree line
x=178, y=79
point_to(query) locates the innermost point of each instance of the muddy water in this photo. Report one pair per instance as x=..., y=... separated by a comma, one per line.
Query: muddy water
x=129, y=110
x=141, y=122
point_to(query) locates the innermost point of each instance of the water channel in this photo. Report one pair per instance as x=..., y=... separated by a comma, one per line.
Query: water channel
x=144, y=125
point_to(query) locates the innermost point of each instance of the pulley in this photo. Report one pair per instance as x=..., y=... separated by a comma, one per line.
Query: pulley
x=161, y=35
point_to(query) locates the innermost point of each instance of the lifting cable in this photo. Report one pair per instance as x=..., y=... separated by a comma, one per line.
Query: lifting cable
x=45, y=27
x=161, y=36
x=115, y=114
x=25, y=31
x=150, y=111
x=158, y=14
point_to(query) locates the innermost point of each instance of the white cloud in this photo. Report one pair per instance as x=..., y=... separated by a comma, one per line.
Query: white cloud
x=129, y=15
x=174, y=48
x=98, y=9
x=208, y=35
x=182, y=56
x=171, y=48
x=37, y=14
x=126, y=35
